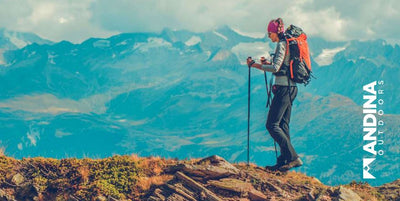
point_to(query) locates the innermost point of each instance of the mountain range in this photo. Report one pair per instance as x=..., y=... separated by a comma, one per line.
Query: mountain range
x=184, y=94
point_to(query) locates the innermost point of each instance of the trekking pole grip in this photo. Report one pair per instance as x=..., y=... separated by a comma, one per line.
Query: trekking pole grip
x=251, y=63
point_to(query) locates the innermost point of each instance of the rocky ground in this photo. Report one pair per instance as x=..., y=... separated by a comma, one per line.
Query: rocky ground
x=153, y=178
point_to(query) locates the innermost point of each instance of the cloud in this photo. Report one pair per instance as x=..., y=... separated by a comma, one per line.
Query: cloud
x=325, y=22
x=77, y=20
x=198, y=16
x=333, y=20
x=347, y=20
x=49, y=104
x=54, y=20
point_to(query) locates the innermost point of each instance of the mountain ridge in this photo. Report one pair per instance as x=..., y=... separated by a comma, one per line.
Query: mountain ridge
x=129, y=177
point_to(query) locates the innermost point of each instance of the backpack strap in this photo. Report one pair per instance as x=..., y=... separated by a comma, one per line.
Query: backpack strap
x=291, y=69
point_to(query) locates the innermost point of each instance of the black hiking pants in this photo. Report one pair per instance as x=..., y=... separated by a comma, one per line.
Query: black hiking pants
x=279, y=118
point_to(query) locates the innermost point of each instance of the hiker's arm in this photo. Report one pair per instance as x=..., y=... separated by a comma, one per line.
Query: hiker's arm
x=277, y=60
x=257, y=65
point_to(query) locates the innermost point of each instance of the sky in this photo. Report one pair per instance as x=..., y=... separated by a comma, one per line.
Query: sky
x=78, y=20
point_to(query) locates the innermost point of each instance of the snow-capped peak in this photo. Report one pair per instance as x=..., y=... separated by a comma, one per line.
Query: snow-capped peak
x=220, y=35
x=193, y=41
x=17, y=40
x=326, y=57
x=12, y=36
x=152, y=42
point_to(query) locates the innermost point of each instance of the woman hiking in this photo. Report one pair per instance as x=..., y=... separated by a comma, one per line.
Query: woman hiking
x=285, y=91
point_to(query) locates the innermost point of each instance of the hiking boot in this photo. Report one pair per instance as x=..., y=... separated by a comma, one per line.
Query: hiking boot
x=280, y=162
x=274, y=167
x=292, y=164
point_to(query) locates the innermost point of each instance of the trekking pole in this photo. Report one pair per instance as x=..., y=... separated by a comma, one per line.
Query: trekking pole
x=269, y=103
x=248, y=113
x=276, y=152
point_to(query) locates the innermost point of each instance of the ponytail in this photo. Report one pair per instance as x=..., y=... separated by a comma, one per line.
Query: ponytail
x=281, y=27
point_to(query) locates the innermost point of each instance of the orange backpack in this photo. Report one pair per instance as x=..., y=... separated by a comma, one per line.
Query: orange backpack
x=300, y=63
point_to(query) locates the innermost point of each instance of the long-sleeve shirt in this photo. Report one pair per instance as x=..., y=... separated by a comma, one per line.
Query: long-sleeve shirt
x=280, y=58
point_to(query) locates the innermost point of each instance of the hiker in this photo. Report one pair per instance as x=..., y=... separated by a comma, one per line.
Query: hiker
x=285, y=91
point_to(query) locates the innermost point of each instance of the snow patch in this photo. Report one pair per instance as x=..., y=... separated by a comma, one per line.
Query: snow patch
x=12, y=36
x=51, y=58
x=33, y=135
x=43, y=123
x=208, y=53
x=31, y=54
x=326, y=57
x=221, y=55
x=220, y=35
x=139, y=122
x=101, y=43
x=193, y=41
x=61, y=134
x=329, y=173
x=122, y=43
x=151, y=43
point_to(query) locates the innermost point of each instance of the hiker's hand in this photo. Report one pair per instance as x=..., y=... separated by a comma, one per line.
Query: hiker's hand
x=249, y=62
x=264, y=61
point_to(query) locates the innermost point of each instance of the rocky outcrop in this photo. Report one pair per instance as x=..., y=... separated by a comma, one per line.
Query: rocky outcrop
x=345, y=194
x=214, y=178
x=212, y=167
x=206, y=180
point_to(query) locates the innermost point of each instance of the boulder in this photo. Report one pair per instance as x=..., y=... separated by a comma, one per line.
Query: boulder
x=17, y=179
x=210, y=168
x=345, y=194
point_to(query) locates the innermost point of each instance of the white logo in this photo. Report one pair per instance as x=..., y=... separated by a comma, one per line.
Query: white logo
x=366, y=174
